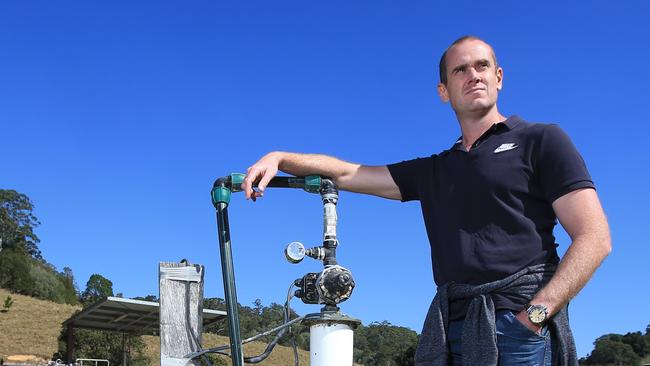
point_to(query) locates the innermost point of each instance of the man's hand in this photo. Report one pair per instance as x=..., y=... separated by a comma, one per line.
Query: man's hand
x=582, y=216
x=262, y=172
x=374, y=180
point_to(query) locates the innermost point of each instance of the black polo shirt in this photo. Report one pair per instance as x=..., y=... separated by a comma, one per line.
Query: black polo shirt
x=488, y=211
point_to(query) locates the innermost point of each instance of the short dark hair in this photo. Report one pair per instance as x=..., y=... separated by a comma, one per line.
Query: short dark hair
x=443, y=59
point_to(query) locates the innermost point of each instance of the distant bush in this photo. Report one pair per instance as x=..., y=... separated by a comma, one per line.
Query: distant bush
x=7, y=304
x=46, y=284
x=22, y=274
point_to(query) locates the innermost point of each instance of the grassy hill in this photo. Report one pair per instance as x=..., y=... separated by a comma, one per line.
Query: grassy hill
x=31, y=327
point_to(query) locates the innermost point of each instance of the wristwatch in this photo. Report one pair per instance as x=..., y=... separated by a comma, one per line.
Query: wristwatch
x=537, y=314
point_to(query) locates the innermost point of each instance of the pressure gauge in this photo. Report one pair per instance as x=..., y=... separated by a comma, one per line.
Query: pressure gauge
x=295, y=252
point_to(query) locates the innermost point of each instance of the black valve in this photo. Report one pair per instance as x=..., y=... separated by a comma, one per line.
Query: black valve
x=330, y=287
x=307, y=292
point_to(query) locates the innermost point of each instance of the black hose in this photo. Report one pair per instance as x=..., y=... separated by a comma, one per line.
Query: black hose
x=269, y=348
x=261, y=357
x=220, y=349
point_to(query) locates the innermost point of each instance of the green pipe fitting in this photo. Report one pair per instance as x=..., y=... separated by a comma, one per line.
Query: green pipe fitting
x=236, y=179
x=220, y=195
x=312, y=183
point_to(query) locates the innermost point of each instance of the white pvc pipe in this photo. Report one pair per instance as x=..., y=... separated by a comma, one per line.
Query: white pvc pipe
x=331, y=345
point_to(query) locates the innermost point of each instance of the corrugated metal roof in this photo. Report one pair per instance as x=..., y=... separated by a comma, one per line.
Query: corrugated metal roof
x=128, y=316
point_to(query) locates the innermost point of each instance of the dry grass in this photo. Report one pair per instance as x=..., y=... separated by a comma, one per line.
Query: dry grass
x=280, y=355
x=31, y=327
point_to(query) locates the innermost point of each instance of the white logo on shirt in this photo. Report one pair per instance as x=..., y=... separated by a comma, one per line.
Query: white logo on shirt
x=506, y=147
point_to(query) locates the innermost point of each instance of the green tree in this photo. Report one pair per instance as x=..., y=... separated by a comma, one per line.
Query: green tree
x=46, y=283
x=215, y=303
x=638, y=342
x=97, y=287
x=104, y=345
x=383, y=344
x=15, y=264
x=152, y=298
x=17, y=222
x=70, y=291
x=610, y=350
x=407, y=357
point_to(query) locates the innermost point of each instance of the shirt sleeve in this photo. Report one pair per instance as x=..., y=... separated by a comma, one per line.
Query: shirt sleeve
x=561, y=168
x=409, y=176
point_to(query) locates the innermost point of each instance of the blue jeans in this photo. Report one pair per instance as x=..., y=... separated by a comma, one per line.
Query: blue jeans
x=517, y=344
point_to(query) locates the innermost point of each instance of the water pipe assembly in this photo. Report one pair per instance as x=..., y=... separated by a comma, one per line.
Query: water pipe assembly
x=331, y=332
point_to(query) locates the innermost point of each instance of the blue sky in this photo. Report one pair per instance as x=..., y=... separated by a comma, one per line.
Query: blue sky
x=116, y=117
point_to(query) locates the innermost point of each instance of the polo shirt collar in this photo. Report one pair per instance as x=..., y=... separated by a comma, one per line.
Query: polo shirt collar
x=510, y=123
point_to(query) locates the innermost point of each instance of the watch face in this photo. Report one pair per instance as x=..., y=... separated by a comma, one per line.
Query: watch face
x=537, y=314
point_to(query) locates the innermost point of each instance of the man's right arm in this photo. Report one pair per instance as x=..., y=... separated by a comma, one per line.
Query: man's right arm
x=374, y=180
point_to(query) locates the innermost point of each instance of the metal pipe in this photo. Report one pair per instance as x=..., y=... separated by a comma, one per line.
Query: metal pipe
x=228, y=272
x=330, y=196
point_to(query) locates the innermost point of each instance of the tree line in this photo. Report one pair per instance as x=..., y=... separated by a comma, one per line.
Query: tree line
x=22, y=267
x=619, y=349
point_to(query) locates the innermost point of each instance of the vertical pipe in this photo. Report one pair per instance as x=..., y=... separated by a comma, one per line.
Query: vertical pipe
x=228, y=273
x=330, y=196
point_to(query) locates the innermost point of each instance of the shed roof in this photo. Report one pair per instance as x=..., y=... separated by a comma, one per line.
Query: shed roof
x=128, y=316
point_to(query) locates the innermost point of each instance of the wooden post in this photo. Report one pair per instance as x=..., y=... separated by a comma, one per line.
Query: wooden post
x=69, y=345
x=124, y=349
x=181, y=311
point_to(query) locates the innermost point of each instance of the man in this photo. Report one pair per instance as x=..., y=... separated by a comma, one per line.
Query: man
x=489, y=203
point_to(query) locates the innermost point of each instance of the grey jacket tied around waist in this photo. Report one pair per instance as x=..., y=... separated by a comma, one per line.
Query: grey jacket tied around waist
x=479, y=340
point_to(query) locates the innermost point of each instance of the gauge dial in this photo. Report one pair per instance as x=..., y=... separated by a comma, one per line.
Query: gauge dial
x=295, y=252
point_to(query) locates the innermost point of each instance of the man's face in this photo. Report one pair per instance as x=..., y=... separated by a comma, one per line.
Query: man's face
x=473, y=80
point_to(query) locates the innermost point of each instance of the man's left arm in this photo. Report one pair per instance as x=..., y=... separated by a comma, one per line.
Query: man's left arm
x=582, y=216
